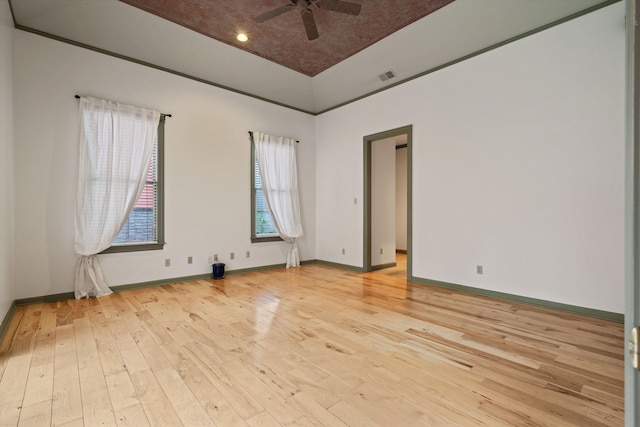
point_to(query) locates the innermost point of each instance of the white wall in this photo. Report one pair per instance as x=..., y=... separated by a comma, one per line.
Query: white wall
x=518, y=163
x=401, y=199
x=383, y=198
x=6, y=160
x=207, y=167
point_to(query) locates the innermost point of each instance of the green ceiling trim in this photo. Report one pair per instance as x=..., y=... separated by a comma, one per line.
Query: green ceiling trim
x=221, y=86
x=476, y=53
x=154, y=66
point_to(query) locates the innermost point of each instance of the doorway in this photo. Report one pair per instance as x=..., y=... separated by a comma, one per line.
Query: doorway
x=377, y=210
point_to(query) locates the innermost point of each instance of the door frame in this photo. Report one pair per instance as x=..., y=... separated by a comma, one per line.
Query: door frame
x=632, y=210
x=366, y=241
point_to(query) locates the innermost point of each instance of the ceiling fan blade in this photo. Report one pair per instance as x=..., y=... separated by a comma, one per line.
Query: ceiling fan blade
x=275, y=12
x=310, y=24
x=340, y=6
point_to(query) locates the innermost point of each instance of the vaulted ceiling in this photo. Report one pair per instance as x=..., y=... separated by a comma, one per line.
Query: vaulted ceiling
x=278, y=62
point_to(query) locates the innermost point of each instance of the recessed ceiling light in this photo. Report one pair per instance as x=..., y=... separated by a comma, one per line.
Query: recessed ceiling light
x=242, y=37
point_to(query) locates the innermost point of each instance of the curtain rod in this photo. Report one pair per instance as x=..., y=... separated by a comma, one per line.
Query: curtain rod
x=251, y=135
x=166, y=115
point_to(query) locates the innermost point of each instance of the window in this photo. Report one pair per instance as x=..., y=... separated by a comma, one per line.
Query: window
x=144, y=229
x=262, y=226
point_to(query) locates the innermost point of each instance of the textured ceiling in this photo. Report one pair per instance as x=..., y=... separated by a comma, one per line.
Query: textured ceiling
x=282, y=39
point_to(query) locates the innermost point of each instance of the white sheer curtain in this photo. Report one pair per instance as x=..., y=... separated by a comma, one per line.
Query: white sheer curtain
x=116, y=144
x=277, y=165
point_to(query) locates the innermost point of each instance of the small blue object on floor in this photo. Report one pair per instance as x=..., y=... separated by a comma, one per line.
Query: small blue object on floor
x=218, y=270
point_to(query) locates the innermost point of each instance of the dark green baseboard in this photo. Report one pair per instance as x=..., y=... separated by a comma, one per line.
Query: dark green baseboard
x=160, y=282
x=27, y=301
x=591, y=312
x=119, y=288
x=46, y=298
x=168, y=281
x=4, y=327
x=338, y=265
x=383, y=266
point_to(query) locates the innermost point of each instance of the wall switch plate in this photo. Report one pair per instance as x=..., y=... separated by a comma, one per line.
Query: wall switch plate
x=167, y=262
x=479, y=269
x=190, y=260
x=210, y=259
x=248, y=254
x=343, y=251
x=381, y=251
x=232, y=255
x=215, y=258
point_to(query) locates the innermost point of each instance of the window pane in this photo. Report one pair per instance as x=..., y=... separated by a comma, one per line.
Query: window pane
x=141, y=226
x=263, y=222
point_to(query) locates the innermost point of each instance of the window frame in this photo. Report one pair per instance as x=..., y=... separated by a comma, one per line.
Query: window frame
x=255, y=238
x=159, y=245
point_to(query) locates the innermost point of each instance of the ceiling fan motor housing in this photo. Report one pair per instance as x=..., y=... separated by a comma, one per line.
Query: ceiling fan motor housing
x=308, y=19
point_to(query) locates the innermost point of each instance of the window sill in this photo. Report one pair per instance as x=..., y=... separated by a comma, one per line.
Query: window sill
x=266, y=239
x=133, y=248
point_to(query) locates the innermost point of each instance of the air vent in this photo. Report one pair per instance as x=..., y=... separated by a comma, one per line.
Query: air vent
x=387, y=75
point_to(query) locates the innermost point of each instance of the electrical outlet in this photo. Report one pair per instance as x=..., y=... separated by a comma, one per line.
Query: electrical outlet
x=167, y=262
x=343, y=251
x=479, y=269
x=190, y=260
x=381, y=251
x=210, y=259
x=215, y=258
x=248, y=254
x=232, y=255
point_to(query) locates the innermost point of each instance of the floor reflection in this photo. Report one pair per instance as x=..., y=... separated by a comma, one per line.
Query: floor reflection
x=400, y=270
x=379, y=283
x=266, y=308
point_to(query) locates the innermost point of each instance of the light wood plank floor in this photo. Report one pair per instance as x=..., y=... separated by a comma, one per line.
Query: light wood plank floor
x=400, y=269
x=308, y=346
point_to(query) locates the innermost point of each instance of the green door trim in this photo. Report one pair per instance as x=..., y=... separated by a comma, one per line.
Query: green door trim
x=632, y=208
x=366, y=241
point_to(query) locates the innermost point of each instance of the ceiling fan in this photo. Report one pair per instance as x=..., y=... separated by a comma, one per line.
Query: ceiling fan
x=307, y=13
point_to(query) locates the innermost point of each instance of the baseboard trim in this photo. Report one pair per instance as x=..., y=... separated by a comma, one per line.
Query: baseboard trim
x=45, y=298
x=169, y=281
x=338, y=265
x=160, y=282
x=591, y=312
x=383, y=266
x=401, y=251
x=4, y=326
x=140, y=285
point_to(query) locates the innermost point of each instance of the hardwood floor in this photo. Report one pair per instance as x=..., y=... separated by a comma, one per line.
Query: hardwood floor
x=308, y=346
x=400, y=269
